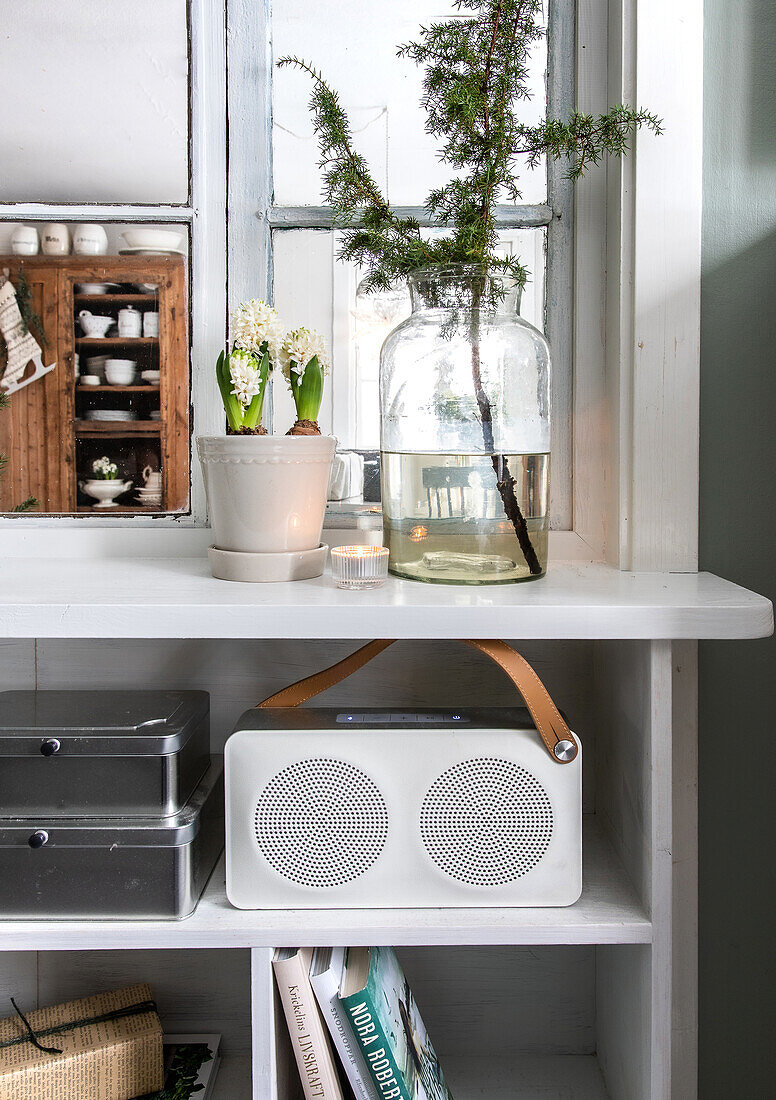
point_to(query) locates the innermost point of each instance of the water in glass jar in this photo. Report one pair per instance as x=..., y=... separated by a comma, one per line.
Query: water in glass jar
x=446, y=521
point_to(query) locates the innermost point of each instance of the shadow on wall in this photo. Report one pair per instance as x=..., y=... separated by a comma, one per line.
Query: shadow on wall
x=738, y=540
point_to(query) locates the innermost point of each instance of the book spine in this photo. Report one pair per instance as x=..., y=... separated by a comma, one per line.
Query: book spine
x=305, y=1026
x=326, y=988
x=375, y=1046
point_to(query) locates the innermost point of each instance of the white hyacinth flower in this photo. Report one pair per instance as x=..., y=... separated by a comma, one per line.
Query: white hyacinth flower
x=104, y=468
x=254, y=323
x=298, y=348
x=245, y=375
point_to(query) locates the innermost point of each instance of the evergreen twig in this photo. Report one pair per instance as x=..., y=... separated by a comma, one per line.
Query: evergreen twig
x=476, y=77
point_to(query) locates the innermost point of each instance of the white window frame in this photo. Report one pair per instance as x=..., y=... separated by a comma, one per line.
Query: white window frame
x=635, y=249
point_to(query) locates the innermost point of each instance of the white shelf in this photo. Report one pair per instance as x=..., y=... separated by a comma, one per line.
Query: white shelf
x=177, y=598
x=233, y=1081
x=608, y=912
x=526, y=1077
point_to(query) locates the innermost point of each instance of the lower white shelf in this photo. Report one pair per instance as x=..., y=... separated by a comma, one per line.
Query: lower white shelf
x=527, y=1077
x=234, y=1078
x=608, y=912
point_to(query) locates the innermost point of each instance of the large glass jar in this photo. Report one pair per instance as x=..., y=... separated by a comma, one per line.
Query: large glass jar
x=465, y=433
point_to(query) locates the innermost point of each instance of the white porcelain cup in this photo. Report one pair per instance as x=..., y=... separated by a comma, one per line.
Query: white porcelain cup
x=150, y=324
x=90, y=240
x=55, y=239
x=130, y=322
x=24, y=240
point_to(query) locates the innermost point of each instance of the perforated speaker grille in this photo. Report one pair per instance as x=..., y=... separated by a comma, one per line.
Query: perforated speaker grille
x=321, y=822
x=486, y=821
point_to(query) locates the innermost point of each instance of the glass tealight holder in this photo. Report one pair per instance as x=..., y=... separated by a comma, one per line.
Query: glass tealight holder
x=359, y=566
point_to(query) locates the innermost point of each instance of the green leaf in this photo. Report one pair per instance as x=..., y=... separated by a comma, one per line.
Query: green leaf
x=252, y=415
x=309, y=393
x=232, y=407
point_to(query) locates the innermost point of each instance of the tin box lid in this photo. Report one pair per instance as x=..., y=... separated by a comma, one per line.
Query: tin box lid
x=124, y=832
x=100, y=723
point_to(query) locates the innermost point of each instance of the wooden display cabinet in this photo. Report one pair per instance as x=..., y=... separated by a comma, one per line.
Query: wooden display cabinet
x=45, y=432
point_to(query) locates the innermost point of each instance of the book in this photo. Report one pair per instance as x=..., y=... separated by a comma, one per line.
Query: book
x=384, y=1019
x=309, y=1035
x=325, y=977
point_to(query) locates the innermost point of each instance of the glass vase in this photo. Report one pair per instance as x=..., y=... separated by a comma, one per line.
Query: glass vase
x=465, y=433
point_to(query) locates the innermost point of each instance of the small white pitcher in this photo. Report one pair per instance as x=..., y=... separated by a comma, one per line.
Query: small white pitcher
x=152, y=478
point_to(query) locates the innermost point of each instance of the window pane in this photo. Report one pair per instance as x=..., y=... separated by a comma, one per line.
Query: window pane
x=95, y=102
x=313, y=288
x=354, y=44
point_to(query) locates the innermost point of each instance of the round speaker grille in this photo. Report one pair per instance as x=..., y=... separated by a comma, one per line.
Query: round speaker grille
x=321, y=822
x=486, y=821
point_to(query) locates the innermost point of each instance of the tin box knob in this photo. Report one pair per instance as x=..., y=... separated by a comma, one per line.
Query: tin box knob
x=38, y=838
x=50, y=747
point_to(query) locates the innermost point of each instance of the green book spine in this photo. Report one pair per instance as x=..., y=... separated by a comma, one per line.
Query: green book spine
x=368, y=1031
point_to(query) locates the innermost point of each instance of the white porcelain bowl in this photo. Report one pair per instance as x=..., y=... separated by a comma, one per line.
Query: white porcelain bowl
x=152, y=238
x=95, y=288
x=110, y=414
x=119, y=376
x=104, y=491
x=151, y=376
x=90, y=379
x=120, y=372
x=93, y=324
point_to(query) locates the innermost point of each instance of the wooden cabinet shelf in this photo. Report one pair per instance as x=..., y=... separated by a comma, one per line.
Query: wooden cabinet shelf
x=49, y=443
x=120, y=509
x=112, y=341
x=118, y=389
x=117, y=427
x=129, y=299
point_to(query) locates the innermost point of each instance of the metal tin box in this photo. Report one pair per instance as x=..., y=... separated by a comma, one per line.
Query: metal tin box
x=101, y=753
x=113, y=869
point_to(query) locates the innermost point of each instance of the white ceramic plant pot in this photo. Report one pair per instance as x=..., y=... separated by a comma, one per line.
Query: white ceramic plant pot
x=266, y=494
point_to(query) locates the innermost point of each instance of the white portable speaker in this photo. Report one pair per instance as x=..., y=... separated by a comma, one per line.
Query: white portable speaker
x=373, y=809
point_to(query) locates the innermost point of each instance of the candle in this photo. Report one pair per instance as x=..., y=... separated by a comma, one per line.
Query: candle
x=359, y=566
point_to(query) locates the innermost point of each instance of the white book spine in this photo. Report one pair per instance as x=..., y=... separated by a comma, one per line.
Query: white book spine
x=309, y=1037
x=326, y=988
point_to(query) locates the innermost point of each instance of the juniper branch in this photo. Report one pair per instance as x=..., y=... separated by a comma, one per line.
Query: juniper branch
x=476, y=76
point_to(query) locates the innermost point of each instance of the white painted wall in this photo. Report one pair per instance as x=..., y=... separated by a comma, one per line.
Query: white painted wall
x=95, y=101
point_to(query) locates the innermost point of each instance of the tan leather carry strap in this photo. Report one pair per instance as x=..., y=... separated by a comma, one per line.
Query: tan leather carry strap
x=560, y=742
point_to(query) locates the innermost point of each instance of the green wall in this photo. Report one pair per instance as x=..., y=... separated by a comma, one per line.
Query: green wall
x=738, y=540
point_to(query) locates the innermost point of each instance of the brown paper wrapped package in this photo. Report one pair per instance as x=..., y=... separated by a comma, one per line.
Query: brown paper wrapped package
x=114, y=1060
